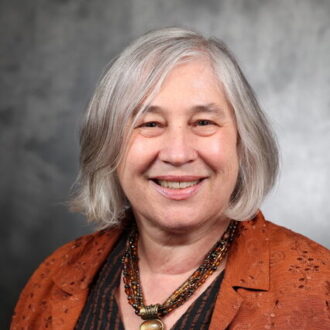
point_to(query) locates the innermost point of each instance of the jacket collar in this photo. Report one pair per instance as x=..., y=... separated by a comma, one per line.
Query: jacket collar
x=247, y=267
x=80, y=266
x=81, y=262
x=248, y=263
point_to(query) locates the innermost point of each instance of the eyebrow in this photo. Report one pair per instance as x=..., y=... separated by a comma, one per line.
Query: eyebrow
x=203, y=108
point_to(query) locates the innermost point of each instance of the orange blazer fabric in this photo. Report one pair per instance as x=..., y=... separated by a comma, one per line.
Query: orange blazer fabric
x=274, y=279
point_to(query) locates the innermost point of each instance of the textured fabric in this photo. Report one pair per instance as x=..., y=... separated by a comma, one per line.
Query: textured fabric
x=101, y=309
x=274, y=279
x=198, y=315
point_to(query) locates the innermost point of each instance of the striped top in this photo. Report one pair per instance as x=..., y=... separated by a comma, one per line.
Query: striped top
x=102, y=312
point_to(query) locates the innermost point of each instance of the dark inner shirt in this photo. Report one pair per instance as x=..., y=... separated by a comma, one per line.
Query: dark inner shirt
x=101, y=310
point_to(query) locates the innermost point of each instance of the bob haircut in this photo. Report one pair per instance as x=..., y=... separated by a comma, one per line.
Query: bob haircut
x=124, y=91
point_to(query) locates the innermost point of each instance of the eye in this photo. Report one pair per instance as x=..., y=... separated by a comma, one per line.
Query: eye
x=203, y=122
x=150, y=124
x=150, y=128
x=205, y=127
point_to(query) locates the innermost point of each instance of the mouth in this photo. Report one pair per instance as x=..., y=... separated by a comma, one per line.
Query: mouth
x=178, y=187
x=176, y=184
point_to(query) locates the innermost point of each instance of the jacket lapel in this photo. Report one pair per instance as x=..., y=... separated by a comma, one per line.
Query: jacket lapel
x=247, y=267
x=72, y=281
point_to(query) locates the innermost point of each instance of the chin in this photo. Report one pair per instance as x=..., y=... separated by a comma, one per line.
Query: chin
x=181, y=224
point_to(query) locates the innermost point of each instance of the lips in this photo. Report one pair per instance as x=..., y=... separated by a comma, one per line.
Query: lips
x=176, y=184
x=177, y=187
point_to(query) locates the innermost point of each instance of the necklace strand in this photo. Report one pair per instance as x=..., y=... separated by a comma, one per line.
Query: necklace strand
x=132, y=283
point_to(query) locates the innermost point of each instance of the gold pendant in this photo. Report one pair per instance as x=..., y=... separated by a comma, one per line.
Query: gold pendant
x=155, y=324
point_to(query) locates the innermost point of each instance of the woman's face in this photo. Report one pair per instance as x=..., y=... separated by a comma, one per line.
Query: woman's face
x=181, y=164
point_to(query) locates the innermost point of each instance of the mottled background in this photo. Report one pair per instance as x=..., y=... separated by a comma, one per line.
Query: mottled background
x=52, y=53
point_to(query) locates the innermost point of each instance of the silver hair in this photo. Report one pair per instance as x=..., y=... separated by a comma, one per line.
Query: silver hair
x=123, y=92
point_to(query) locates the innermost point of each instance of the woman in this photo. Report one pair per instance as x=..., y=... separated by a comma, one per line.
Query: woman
x=176, y=158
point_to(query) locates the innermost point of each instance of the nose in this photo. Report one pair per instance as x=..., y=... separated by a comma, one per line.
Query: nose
x=177, y=147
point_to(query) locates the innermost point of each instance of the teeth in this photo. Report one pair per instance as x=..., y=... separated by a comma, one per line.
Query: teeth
x=176, y=184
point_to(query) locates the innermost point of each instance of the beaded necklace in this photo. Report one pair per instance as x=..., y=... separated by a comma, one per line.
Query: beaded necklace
x=152, y=314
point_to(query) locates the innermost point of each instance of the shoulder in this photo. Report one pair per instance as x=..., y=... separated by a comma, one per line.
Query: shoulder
x=299, y=277
x=286, y=278
x=295, y=250
x=78, y=259
x=71, y=252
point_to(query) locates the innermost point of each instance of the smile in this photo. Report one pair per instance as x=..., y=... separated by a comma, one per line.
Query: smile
x=177, y=188
x=176, y=184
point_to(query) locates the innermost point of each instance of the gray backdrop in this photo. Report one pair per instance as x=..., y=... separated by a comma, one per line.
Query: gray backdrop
x=52, y=53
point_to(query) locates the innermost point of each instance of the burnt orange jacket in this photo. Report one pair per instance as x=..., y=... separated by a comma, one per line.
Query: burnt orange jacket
x=274, y=279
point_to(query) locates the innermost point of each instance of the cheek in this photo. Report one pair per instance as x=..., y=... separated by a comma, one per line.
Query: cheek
x=140, y=154
x=220, y=153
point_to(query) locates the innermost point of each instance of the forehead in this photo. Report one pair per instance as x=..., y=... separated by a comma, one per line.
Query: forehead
x=190, y=85
x=210, y=108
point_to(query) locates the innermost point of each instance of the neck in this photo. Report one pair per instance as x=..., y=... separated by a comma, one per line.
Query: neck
x=169, y=252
